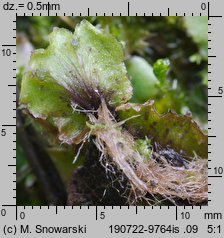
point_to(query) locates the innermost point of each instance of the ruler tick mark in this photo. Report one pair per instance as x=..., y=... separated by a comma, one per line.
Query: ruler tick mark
x=214, y=176
x=96, y=213
x=8, y=45
x=128, y=8
x=8, y=125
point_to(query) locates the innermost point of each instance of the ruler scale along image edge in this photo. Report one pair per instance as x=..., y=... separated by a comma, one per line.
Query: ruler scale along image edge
x=214, y=101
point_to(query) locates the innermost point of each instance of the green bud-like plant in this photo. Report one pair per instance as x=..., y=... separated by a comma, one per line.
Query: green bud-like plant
x=80, y=83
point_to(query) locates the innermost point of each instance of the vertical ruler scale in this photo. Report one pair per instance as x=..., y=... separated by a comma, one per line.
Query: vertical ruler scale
x=8, y=109
x=215, y=103
x=105, y=221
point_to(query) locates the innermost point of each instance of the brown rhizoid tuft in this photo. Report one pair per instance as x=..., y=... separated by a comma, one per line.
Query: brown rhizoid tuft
x=147, y=176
